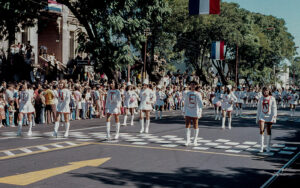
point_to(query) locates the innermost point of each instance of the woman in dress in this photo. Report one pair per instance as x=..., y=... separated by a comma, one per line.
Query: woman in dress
x=293, y=100
x=113, y=108
x=26, y=108
x=130, y=103
x=227, y=99
x=63, y=108
x=217, y=102
x=192, y=111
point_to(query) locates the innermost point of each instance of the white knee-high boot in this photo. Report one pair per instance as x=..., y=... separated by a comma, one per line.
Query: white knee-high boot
x=223, y=122
x=147, y=125
x=268, y=143
x=67, y=125
x=125, y=120
x=160, y=115
x=217, y=114
x=30, y=129
x=132, y=118
x=142, y=125
x=229, y=122
x=108, y=130
x=56, y=126
x=156, y=114
x=196, y=137
x=117, y=130
x=188, y=136
x=262, y=143
x=19, y=133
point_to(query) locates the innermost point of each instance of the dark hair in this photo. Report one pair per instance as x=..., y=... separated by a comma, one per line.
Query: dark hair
x=113, y=81
x=266, y=89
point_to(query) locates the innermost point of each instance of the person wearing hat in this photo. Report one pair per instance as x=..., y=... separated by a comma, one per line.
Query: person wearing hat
x=227, y=99
x=192, y=112
x=147, y=99
x=130, y=103
x=160, y=97
x=113, y=108
x=217, y=102
x=266, y=116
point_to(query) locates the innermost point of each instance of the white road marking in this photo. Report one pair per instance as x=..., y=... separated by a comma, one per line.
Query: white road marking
x=9, y=153
x=201, y=148
x=71, y=143
x=286, y=152
x=222, y=140
x=278, y=145
x=212, y=144
x=232, y=143
x=223, y=147
x=139, y=143
x=57, y=145
x=242, y=146
x=169, y=145
x=26, y=150
x=290, y=148
x=204, y=141
x=169, y=136
x=250, y=143
x=233, y=151
x=42, y=148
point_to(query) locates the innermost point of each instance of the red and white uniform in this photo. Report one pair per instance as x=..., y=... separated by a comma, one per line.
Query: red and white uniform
x=26, y=98
x=227, y=101
x=193, y=104
x=147, y=98
x=64, y=98
x=293, y=99
x=113, y=102
x=131, y=98
x=267, y=109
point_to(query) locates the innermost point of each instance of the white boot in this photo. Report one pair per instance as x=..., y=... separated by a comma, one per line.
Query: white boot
x=229, y=123
x=108, y=130
x=219, y=116
x=142, y=125
x=125, y=120
x=188, y=136
x=147, y=125
x=268, y=143
x=223, y=122
x=56, y=126
x=160, y=114
x=19, y=133
x=132, y=118
x=67, y=124
x=262, y=143
x=291, y=112
x=30, y=129
x=118, y=130
x=196, y=137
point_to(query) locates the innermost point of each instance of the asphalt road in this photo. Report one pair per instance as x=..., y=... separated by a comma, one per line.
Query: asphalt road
x=224, y=158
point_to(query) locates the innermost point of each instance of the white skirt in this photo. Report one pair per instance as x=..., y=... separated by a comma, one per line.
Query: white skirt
x=63, y=108
x=144, y=106
x=113, y=110
x=26, y=108
x=266, y=118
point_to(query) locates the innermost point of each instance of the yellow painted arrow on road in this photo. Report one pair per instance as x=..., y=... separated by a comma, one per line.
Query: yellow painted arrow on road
x=32, y=177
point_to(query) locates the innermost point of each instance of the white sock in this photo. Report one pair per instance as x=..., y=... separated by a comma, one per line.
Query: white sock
x=67, y=124
x=118, y=130
x=147, y=125
x=196, y=136
x=188, y=136
x=108, y=130
x=268, y=142
x=160, y=114
x=142, y=125
x=125, y=120
x=19, y=127
x=156, y=114
x=262, y=143
x=223, y=122
x=229, y=122
x=56, y=126
x=30, y=129
x=132, y=118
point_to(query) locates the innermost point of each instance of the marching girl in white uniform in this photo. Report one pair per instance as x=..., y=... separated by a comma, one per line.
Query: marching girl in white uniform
x=63, y=108
x=266, y=115
x=284, y=95
x=192, y=111
x=147, y=99
x=160, y=98
x=293, y=101
x=240, y=100
x=217, y=103
x=26, y=107
x=112, y=107
x=227, y=99
x=130, y=103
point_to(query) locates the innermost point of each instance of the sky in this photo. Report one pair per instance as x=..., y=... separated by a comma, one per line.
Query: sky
x=289, y=10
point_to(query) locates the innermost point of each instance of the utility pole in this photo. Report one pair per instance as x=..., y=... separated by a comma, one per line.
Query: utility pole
x=236, y=66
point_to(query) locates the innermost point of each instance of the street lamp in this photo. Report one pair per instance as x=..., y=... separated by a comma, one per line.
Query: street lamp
x=147, y=32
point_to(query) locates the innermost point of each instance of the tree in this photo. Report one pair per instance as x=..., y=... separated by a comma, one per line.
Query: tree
x=16, y=15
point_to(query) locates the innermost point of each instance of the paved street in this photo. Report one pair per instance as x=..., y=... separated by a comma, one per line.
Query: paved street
x=224, y=158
